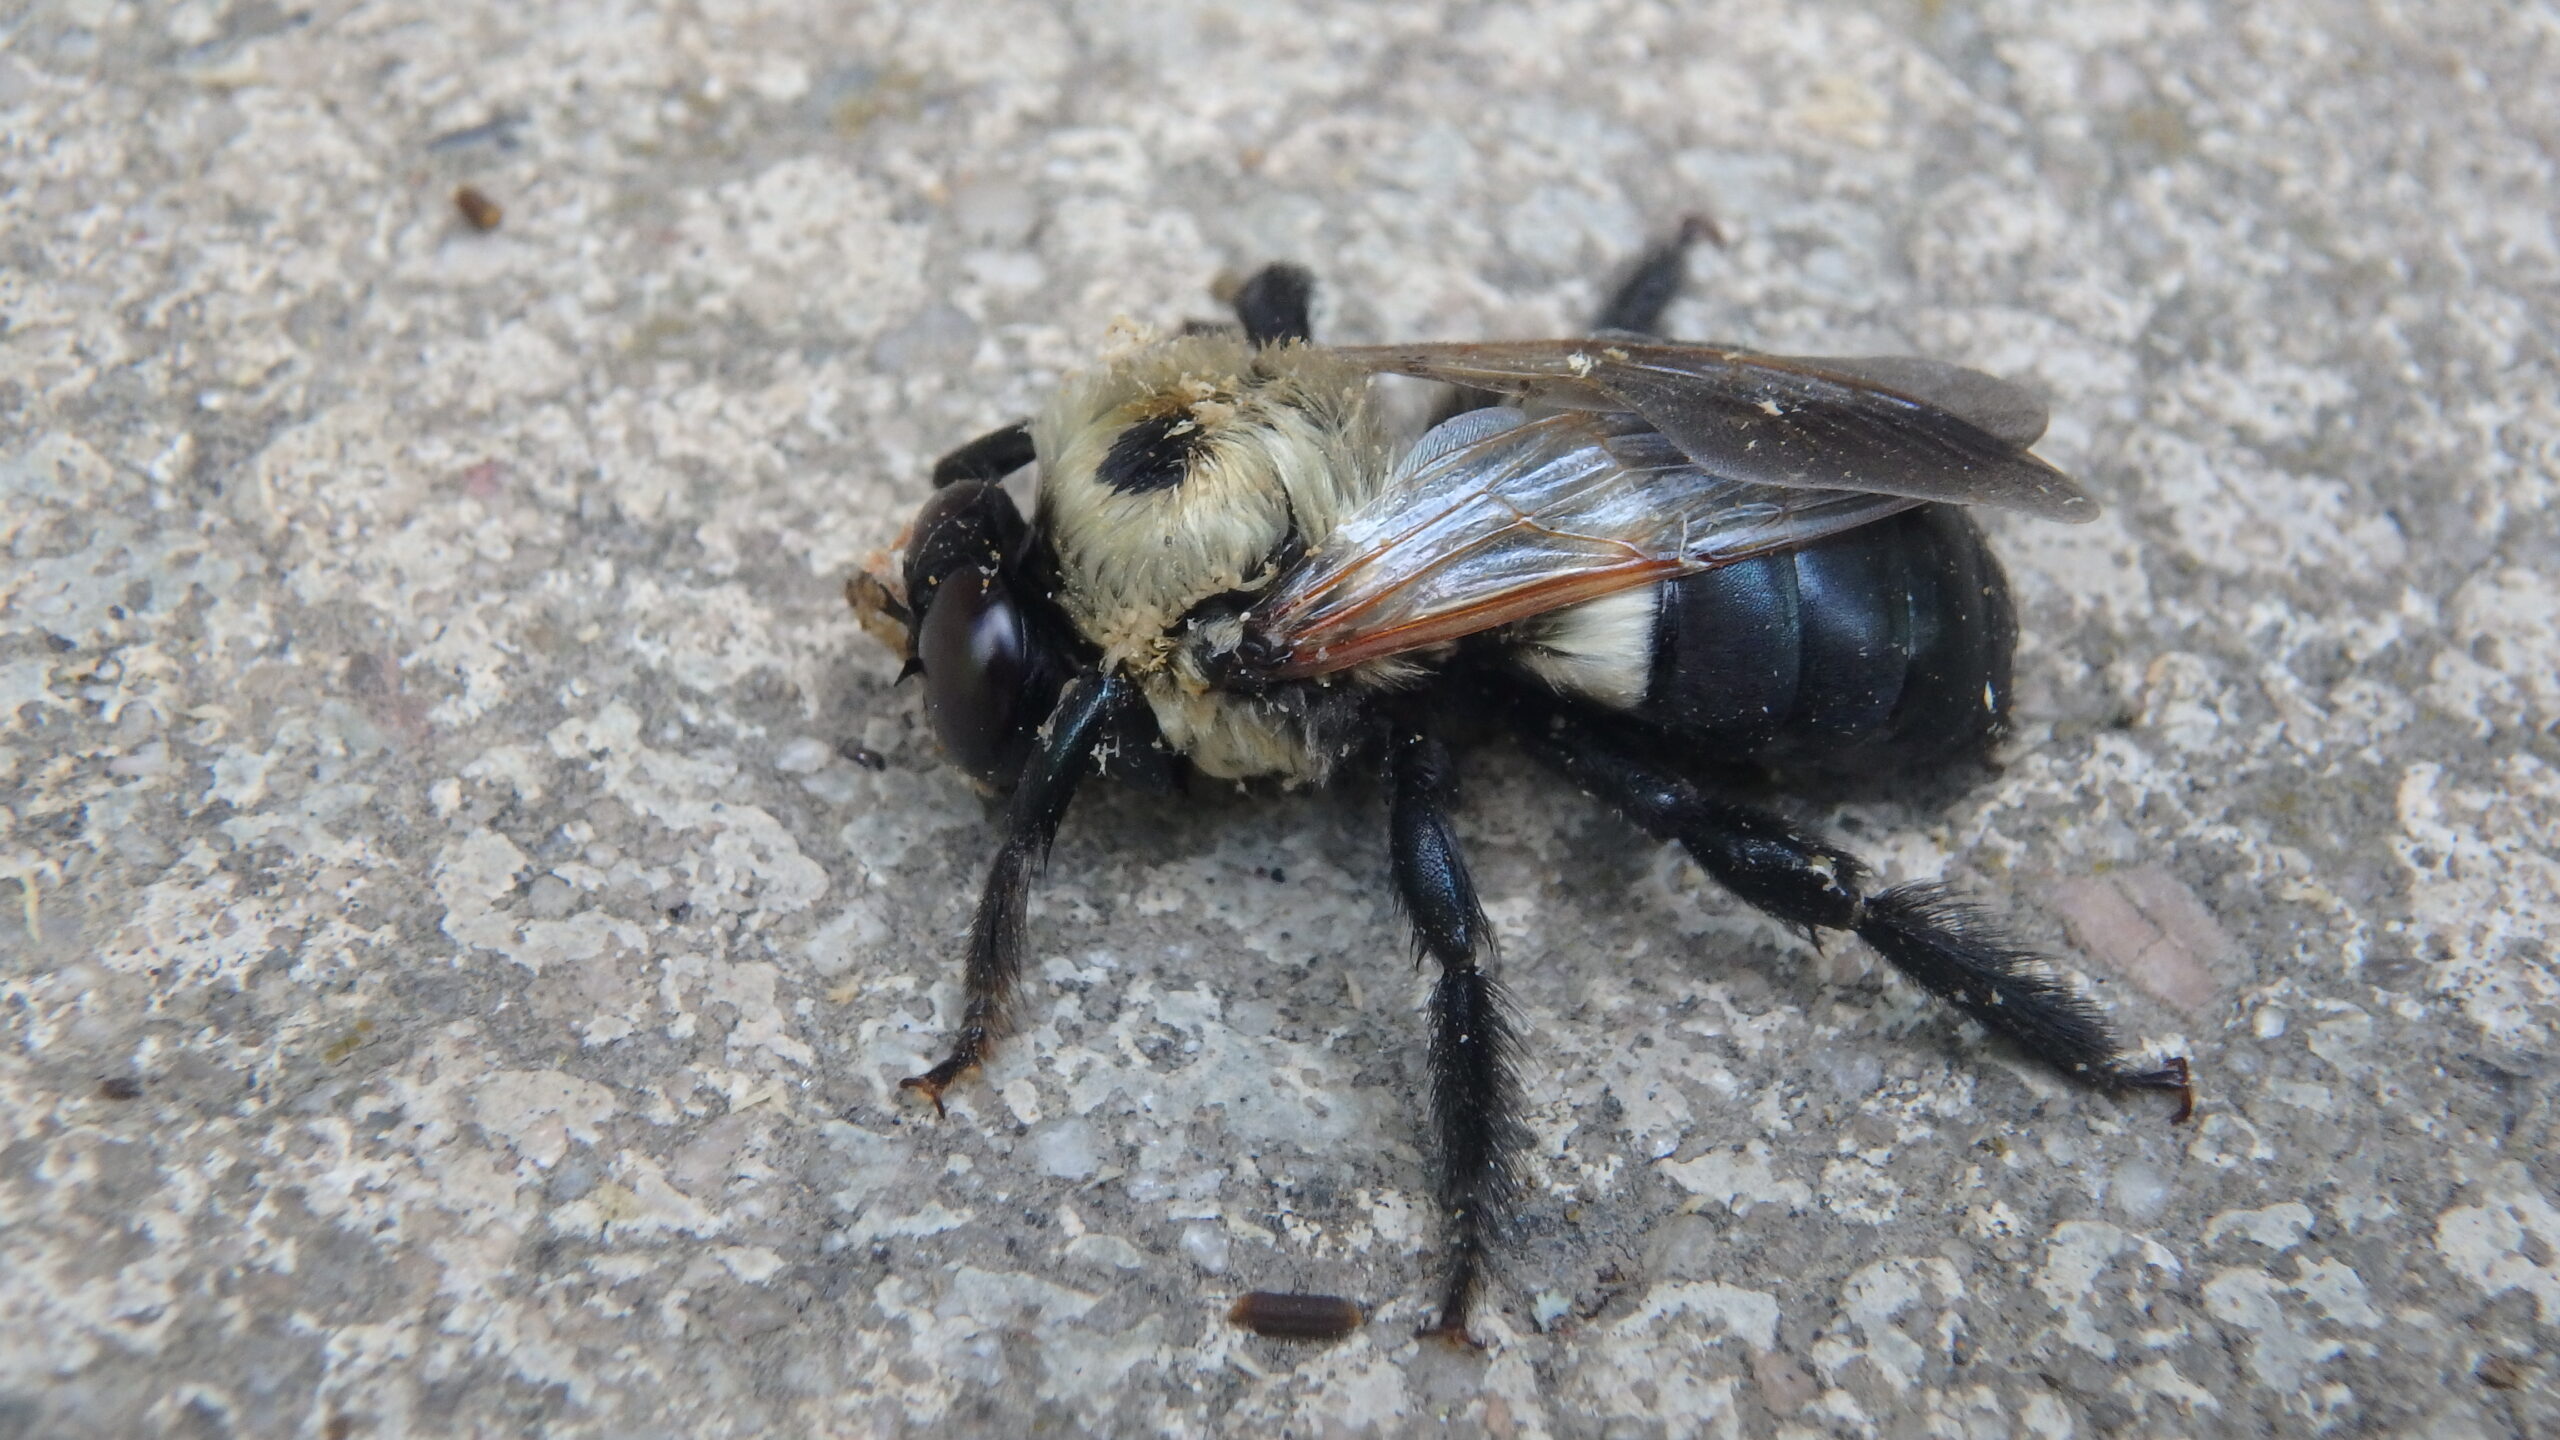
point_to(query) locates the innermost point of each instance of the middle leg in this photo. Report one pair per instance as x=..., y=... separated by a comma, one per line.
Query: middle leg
x=1475, y=1099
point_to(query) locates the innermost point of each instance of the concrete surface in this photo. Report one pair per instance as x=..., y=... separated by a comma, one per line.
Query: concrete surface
x=455, y=979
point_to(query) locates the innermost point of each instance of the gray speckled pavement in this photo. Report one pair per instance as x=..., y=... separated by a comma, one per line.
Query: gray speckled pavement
x=456, y=978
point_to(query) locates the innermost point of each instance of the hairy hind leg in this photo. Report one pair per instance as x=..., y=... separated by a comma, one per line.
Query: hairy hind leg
x=1475, y=1099
x=1951, y=949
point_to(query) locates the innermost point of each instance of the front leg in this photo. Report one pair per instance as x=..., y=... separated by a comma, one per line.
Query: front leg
x=990, y=457
x=1475, y=1099
x=1084, y=715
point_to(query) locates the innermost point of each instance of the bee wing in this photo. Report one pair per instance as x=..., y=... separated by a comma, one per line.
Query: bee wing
x=1921, y=429
x=1496, y=517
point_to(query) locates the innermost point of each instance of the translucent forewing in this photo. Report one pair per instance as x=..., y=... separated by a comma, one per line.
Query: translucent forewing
x=1525, y=518
x=1921, y=429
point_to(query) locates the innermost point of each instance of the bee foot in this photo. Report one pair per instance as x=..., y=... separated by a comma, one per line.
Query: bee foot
x=936, y=1080
x=2173, y=1075
x=1453, y=1334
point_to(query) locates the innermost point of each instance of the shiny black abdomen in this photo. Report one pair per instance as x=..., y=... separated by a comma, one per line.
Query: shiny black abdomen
x=1878, y=652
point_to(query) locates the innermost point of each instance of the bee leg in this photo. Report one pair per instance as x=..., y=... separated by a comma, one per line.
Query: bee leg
x=1475, y=1099
x=1635, y=307
x=1952, y=949
x=990, y=457
x=1633, y=311
x=1085, y=712
x=1273, y=305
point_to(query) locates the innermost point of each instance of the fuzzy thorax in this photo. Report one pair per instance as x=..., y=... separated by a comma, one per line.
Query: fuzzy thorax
x=1269, y=445
x=1189, y=471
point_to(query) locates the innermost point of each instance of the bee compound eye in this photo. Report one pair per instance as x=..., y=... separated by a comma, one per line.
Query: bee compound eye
x=977, y=659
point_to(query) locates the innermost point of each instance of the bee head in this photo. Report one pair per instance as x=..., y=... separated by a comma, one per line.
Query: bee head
x=992, y=658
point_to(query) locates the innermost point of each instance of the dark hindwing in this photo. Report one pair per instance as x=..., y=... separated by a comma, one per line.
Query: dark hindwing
x=1663, y=461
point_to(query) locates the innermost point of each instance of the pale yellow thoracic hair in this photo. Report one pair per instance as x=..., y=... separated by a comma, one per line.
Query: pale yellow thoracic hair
x=1280, y=441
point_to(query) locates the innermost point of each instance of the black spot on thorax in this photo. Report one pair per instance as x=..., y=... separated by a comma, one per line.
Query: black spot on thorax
x=1153, y=454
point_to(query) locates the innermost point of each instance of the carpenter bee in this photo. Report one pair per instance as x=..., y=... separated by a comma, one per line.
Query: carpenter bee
x=1664, y=568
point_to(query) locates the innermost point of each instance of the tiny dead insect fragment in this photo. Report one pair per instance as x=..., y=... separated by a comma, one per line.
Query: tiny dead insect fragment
x=2499, y=1372
x=478, y=211
x=1280, y=1315
x=1672, y=573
